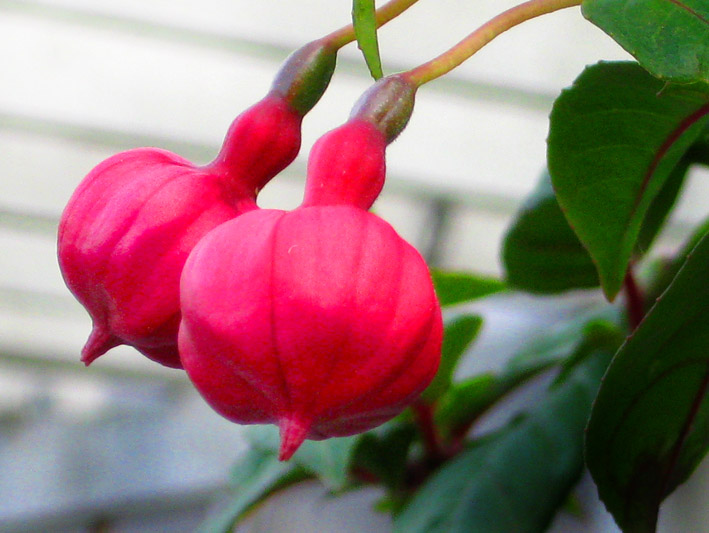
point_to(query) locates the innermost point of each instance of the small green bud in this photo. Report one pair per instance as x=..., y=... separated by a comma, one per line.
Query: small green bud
x=387, y=104
x=305, y=75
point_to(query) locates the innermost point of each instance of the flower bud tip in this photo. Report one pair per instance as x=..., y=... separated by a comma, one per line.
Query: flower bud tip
x=293, y=433
x=99, y=342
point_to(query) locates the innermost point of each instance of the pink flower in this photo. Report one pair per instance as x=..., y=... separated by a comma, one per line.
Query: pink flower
x=130, y=225
x=347, y=166
x=321, y=320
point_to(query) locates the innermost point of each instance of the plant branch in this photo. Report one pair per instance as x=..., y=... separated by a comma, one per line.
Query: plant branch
x=429, y=432
x=483, y=35
x=364, y=475
x=633, y=300
x=384, y=14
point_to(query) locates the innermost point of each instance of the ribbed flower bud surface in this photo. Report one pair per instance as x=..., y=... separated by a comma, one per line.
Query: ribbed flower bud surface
x=130, y=225
x=321, y=320
x=347, y=166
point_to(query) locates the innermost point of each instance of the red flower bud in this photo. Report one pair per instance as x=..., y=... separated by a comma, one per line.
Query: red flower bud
x=347, y=166
x=321, y=320
x=128, y=228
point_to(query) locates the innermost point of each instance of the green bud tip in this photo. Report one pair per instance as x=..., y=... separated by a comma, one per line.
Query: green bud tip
x=305, y=75
x=388, y=104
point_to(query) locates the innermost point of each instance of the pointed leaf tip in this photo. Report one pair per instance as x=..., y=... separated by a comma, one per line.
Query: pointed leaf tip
x=99, y=342
x=293, y=432
x=364, y=21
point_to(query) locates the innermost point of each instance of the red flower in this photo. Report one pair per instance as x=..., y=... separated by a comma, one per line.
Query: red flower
x=131, y=223
x=321, y=320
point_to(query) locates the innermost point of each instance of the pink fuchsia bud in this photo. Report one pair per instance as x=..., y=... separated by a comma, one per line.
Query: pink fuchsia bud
x=261, y=142
x=388, y=104
x=347, y=166
x=128, y=228
x=321, y=320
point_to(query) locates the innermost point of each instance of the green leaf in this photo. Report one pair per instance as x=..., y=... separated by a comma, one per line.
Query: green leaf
x=255, y=475
x=559, y=341
x=541, y=253
x=516, y=480
x=597, y=334
x=464, y=402
x=664, y=269
x=383, y=454
x=669, y=38
x=615, y=137
x=458, y=287
x=365, y=26
x=650, y=424
x=329, y=459
x=563, y=345
x=661, y=207
x=699, y=151
x=457, y=336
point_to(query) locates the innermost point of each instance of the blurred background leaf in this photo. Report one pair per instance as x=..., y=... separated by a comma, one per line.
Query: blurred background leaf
x=516, y=479
x=458, y=334
x=541, y=253
x=457, y=287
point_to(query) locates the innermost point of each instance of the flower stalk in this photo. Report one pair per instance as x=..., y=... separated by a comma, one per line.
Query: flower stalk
x=462, y=51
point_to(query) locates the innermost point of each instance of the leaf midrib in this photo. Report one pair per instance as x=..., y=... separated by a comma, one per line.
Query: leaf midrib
x=690, y=11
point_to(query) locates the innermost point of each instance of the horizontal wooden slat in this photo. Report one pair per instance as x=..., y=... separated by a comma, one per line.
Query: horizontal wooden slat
x=43, y=340
x=521, y=58
x=469, y=148
x=43, y=164
x=123, y=81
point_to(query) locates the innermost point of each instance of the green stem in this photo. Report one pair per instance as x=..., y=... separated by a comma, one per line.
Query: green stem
x=384, y=14
x=483, y=35
x=634, y=300
x=428, y=429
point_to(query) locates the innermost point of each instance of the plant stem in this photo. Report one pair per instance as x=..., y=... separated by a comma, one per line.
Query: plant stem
x=484, y=34
x=634, y=300
x=427, y=427
x=384, y=14
x=364, y=475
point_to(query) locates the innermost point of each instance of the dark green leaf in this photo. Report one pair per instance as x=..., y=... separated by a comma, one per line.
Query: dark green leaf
x=516, y=480
x=457, y=336
x=365, y=26
x=541, y=253
x=558, y=342
x=597, y=334
x=254, y=476
x=329, y=459
x=699, y=151
x=383, y=454
x=650, y=423
x=668, y=38
x=467, y=400
x=661, y=207
x=615, y=137
x=666, y=268
x=458, y=287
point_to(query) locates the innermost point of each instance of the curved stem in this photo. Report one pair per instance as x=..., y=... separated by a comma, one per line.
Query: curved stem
x=428, y=429
x=384, y=14
x=484, y=34
x=634, y=300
